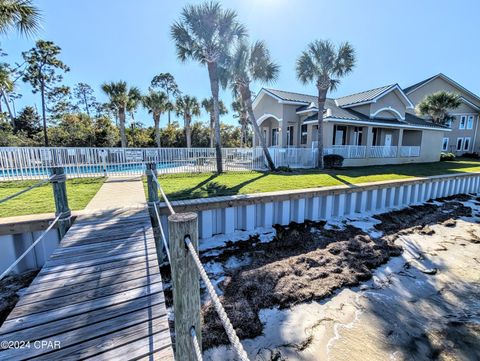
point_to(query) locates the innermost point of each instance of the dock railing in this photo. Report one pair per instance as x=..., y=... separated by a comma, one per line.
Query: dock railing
x=63, y=215
x=186, y=269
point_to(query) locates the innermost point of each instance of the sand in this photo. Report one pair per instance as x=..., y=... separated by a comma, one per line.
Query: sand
x=419, y=304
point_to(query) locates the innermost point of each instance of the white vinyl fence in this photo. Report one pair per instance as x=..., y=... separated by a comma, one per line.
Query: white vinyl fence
x=35, y=162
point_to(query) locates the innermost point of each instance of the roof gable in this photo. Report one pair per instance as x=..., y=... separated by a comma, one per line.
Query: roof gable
x=414, y=87
x=371, y=96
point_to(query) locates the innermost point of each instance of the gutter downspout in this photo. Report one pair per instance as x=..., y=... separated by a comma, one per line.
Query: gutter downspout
x=475, y=134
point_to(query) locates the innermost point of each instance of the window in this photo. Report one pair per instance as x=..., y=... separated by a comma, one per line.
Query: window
x=459, y=143
x=274, y=136
x=466, y=144
x=265, y=135
x=470, y=122
x=303, y=139
x=339, y=134
x=463, y=121
x=290, y=135
x=357, y=135
x=445, y=144
x=449, y=123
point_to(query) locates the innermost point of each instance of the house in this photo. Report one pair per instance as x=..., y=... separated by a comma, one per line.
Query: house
x=463, y=137
x=376, y=126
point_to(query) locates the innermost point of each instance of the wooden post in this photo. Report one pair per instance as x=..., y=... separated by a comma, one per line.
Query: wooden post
x=186, y=284
x=61, y=199
x=152, y=189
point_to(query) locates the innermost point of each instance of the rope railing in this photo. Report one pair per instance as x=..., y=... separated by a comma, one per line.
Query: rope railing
x=7, y=271
x=33, y=186
x=164, y=196
x=162, y=233
x=231, y=334
x=196, y=346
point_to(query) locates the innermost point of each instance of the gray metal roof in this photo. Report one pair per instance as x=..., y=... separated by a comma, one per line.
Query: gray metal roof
x=416, y=85
x=339, y=112
x=293, y=97
x=365, y=96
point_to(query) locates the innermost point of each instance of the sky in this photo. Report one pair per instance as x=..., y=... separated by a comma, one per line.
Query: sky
x=395, y=42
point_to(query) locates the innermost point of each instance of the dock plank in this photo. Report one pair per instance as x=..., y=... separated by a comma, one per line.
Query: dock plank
x=100, y=295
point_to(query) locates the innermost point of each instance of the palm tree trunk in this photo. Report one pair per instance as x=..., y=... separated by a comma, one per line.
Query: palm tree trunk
x=188, y=131
x=4, y=95
x=214, y=85
x=322, y=95
x=156, y=120
x=212, y=129
x=247, y=98
x=44, y=112
x=121, y=118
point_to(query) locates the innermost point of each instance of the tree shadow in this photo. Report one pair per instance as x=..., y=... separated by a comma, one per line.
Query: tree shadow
x=213, y=189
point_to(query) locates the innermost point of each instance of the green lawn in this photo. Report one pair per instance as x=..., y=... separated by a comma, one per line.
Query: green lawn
x=188, y=186
x=40, y=200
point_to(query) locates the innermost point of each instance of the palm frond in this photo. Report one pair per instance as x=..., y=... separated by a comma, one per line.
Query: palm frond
x=21, y=15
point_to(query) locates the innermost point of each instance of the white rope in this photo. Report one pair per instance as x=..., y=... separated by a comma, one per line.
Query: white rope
x=161, y=231
x=25, y=190
x=30, y=248
x=232, y=336
x=169, y=205
x=196, y=346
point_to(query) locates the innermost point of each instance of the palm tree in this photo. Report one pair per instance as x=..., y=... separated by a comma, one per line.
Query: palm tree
x=21, y=15
x=187, y=107
x=253, y=63
x=239, y=107
x=156, y=103
x=6, y=86
x=438, y=105
x=207, y=104
x=205, y=33
x=123, y=100
x=323, y=63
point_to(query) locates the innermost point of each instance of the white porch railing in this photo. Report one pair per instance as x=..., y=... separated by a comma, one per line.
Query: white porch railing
x=347, y=151
x=361, y=151
x=293, y=157
x=382, y=152
x=409, y=151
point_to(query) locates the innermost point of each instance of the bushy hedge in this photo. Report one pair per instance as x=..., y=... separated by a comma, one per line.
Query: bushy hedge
x=332, y=161
x=472, y=155
x=447, y=156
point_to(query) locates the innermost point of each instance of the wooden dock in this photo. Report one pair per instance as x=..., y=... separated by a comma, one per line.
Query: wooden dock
x=99, y=296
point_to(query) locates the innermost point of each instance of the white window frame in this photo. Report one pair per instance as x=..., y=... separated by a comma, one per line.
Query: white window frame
x=465, y=149
x=470, y=119
x=445, y=145
x=275, y=135
x=463, y=122
x=303, y=133
x=459, y=149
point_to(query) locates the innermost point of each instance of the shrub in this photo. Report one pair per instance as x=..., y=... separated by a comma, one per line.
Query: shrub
x=283, y=169
x=332, y=161
x=473, y=155
x=447, y=156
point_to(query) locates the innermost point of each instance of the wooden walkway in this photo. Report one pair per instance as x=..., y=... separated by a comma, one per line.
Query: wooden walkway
x=99, y=296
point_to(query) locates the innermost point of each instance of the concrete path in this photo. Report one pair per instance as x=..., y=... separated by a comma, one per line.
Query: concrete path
x=119, y=192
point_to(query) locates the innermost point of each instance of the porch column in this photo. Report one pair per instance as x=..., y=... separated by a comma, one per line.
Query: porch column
x=400, y=137
x=283, y=133
x=369, y=141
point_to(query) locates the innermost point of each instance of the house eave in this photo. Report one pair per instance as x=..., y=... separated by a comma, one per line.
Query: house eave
x=363, y=122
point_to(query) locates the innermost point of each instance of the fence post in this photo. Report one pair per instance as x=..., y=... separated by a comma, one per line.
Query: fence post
x=186, y=284
x=61, y=199
x=152, y=188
